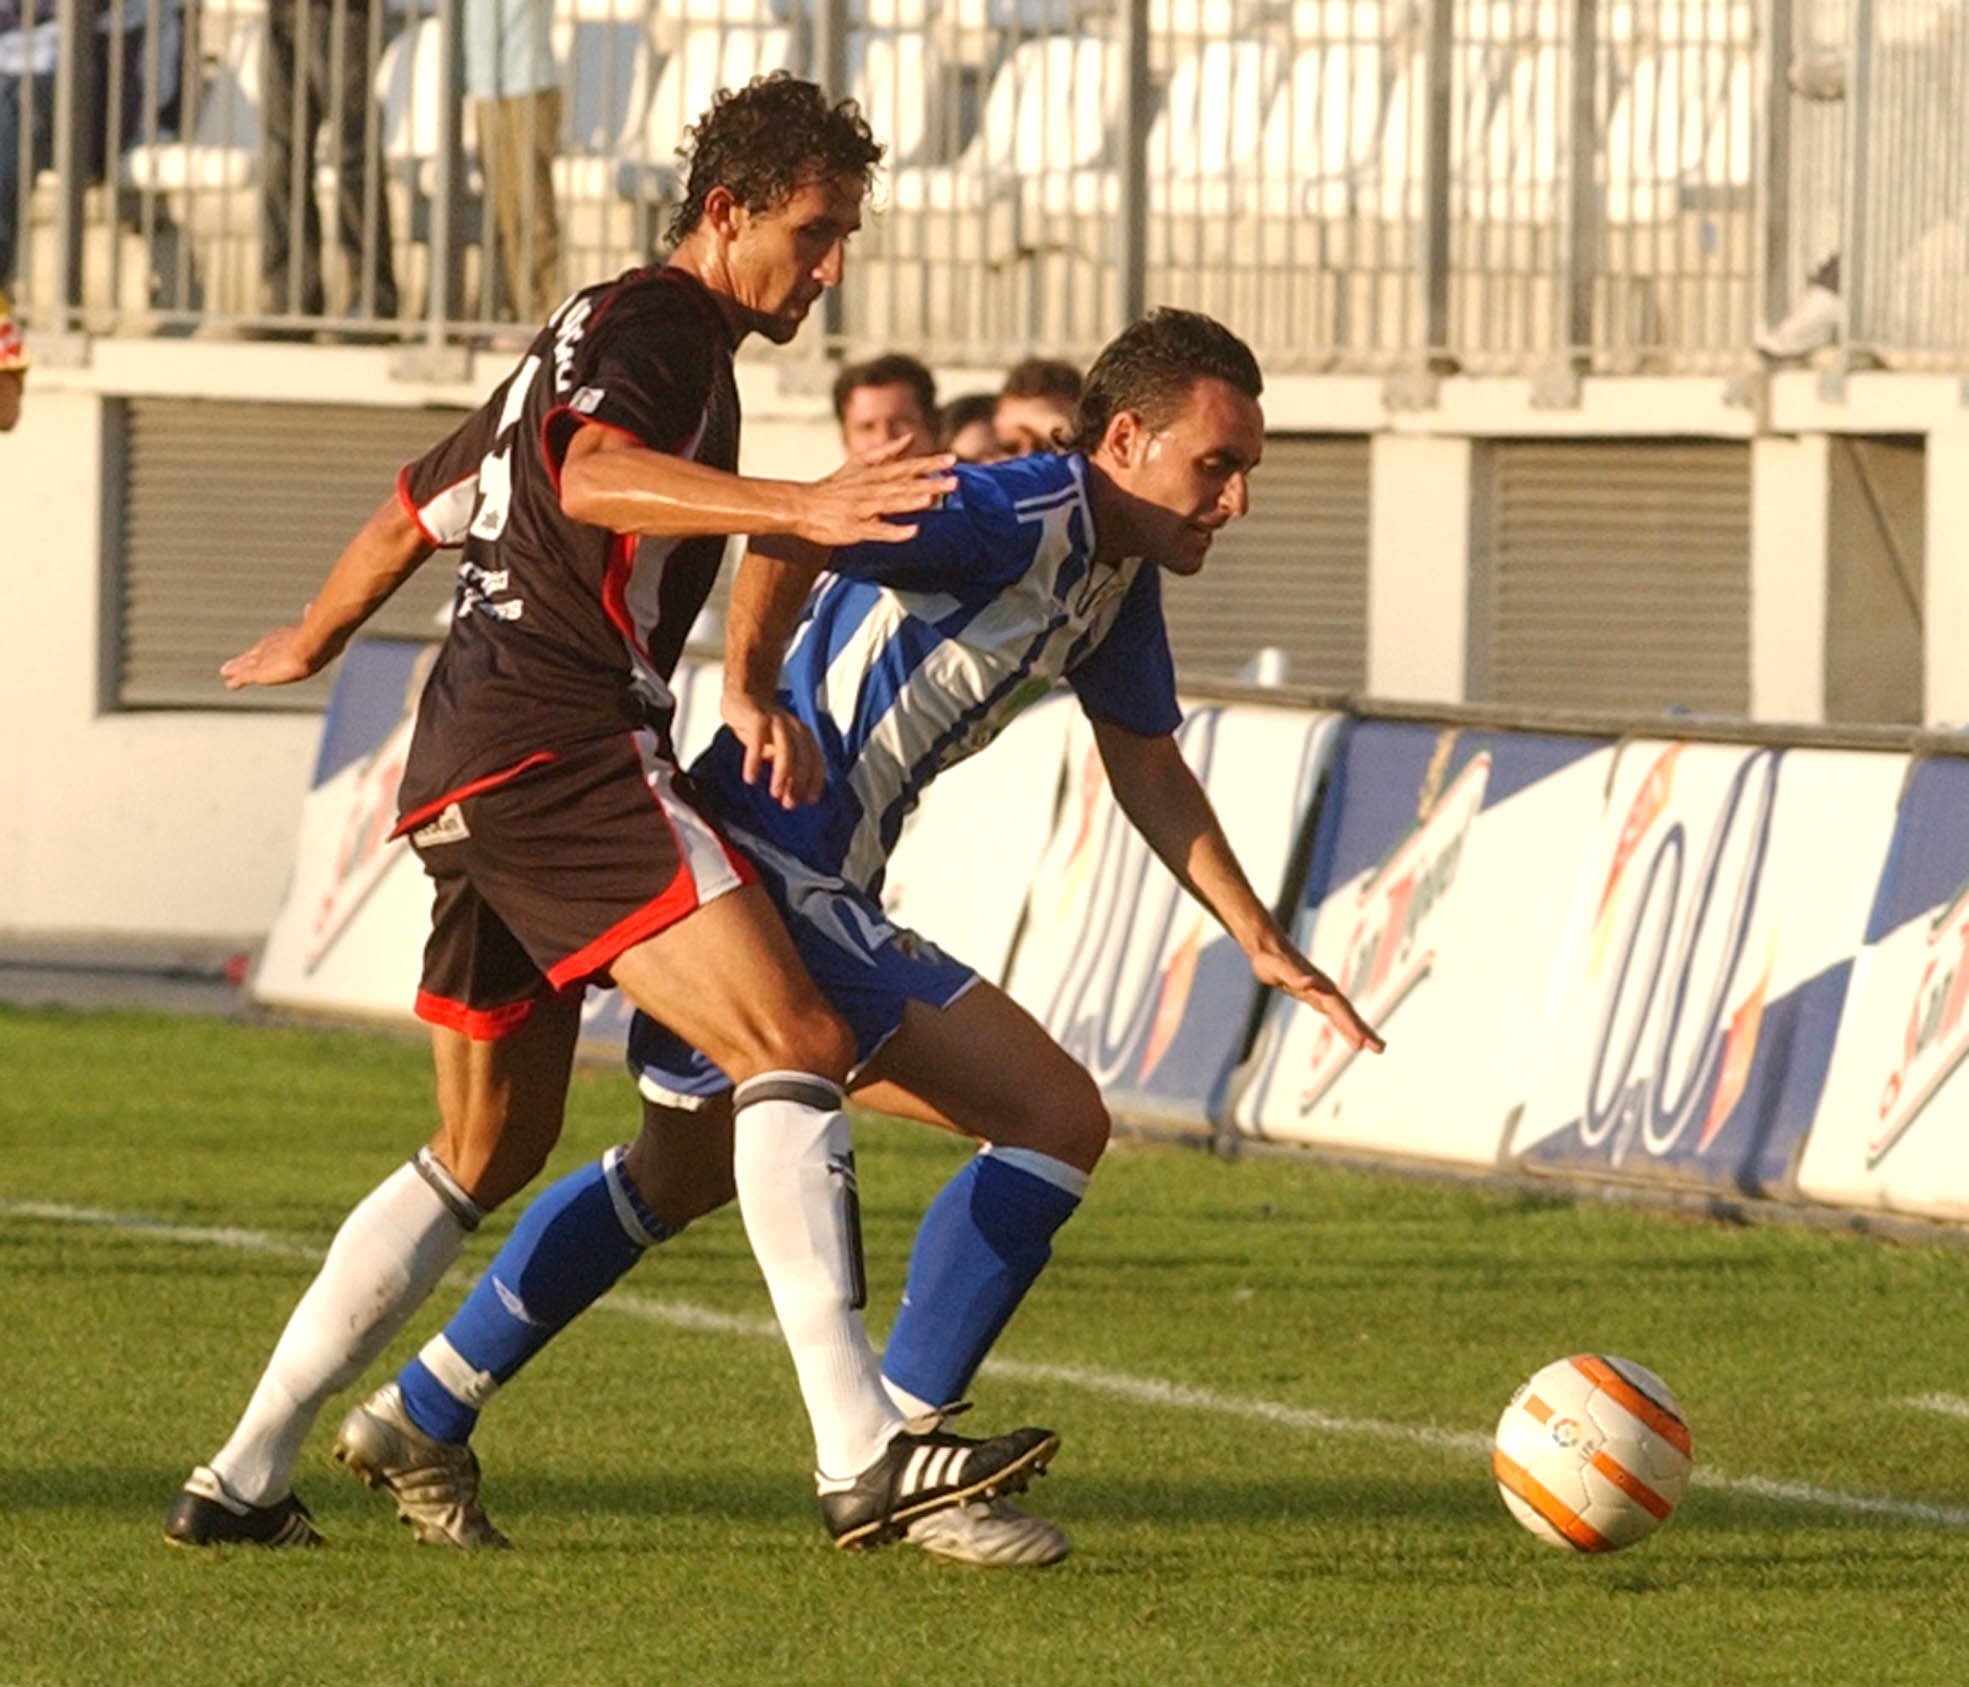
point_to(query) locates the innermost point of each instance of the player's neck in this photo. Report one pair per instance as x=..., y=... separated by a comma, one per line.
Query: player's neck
x=700, y=258
x=1116, y=535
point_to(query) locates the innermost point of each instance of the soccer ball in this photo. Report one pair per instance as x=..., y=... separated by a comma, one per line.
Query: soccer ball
x=1592, y=1453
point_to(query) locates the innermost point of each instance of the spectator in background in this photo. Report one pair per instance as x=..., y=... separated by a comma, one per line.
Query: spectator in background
x=968, y=432
x=13, y=367
x=1037, y=406
x=148, y=98
x=885, y=399
x=320, y=59
x=1817, y=316
x=510, y=76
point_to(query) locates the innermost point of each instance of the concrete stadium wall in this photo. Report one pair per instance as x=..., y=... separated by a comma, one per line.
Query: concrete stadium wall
x=184, y=823
x=178, y=823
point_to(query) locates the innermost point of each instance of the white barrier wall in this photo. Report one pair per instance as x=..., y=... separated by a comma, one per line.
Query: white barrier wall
x=1431, y=900
x=1723, y=966
x=1895, y=1114
x=1132, y=976
x=162, y=822
x=967, y=856
x=1691, y=1014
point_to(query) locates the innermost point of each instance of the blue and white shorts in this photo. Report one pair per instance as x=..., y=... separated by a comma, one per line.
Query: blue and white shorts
x=866, y=965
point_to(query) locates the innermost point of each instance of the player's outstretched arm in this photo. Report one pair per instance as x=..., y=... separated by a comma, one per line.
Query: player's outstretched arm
x=774, y=577
x=610, y=479
x=1169, y=807
x=385, y=553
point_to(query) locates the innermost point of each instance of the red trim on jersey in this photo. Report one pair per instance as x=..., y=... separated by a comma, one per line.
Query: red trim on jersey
x=552, y=464
x=615, y=587
x=483, y=1025
x=417, y=816
x=411, y=508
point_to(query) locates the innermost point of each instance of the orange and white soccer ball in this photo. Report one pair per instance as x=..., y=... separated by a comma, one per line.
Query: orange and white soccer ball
x=1593, y=1453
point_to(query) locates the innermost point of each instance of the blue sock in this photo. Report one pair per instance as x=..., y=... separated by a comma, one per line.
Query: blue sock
x=569, y=1248
x=981, y=1246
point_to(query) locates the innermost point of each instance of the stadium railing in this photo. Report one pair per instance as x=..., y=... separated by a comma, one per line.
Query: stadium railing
x=1524, y=186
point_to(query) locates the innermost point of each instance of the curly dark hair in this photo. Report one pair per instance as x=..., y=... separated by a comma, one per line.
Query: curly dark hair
x=767, y=140
x=1151, y=366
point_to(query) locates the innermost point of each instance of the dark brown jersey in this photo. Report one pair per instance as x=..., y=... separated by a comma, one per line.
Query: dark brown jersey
x=563, y=631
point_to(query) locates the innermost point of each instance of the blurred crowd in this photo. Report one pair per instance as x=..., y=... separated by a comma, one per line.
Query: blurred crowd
x=894, y=398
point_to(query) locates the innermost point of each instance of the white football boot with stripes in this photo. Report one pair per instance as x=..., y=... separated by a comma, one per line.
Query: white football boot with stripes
x=923, y=1473
x=992, y=1534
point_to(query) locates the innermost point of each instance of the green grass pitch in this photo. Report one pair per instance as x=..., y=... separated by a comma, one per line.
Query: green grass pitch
x=1238, y=1355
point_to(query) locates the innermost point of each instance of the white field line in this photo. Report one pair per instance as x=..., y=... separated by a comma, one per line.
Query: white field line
x=1153, y=1392
x=1942, y=1405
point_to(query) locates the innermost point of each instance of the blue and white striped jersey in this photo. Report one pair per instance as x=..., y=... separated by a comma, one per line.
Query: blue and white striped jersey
x=912, y=656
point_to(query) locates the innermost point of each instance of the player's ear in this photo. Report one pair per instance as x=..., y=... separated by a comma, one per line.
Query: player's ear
x=1124, y=438
x=721, y=209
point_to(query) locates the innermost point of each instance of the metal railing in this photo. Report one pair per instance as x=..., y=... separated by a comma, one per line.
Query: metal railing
x=1386, y=185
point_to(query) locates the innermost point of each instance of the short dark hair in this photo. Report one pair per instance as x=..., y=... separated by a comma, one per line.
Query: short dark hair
x=767, y=140
x=1151, y=366
x=892, y=369
x=960, y=413
x=1042, y=377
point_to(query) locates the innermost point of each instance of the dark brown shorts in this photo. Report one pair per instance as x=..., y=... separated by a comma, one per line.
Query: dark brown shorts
x=547, y=871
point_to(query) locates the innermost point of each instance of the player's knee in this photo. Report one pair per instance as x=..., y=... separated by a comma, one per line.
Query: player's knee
x=681, y=1167
x=815, y=1040
x=1070, y=1122
x=1084, y=1125
x=492, y=1156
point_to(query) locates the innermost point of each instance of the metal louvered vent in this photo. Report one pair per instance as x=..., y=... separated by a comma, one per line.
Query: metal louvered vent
x=1292, y=573
x=227, y=517
x=1618, y=575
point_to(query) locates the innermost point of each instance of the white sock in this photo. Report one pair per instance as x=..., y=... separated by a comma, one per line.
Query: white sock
x=792, y=1158
x=390, y=1253
x=906, y=1402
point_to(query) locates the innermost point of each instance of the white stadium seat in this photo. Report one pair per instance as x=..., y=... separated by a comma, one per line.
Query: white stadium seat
x=611, y=70
x=1323, y=131
x=1514, y=171
x=705, y=61
x=898, y=78
x=224, y=148
x=1687, y=115
x=1049, y=115
x=889, y=14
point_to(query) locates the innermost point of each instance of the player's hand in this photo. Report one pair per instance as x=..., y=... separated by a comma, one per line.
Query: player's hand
x=773, y=736
x=282, y=657
x=1288, y=970
x=854, y=503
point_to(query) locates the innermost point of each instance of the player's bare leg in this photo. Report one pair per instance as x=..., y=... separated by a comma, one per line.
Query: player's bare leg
x=501, y=1105
x=728, y=981
x=736, y=989
x=501, y=1108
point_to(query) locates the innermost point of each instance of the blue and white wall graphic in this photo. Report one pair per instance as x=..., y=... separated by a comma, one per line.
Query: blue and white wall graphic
x=1893, y=1123
x=349, y=937
x=1436, y=899
x=1133, y=977
x=966, y=858
x=1694, y=1004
